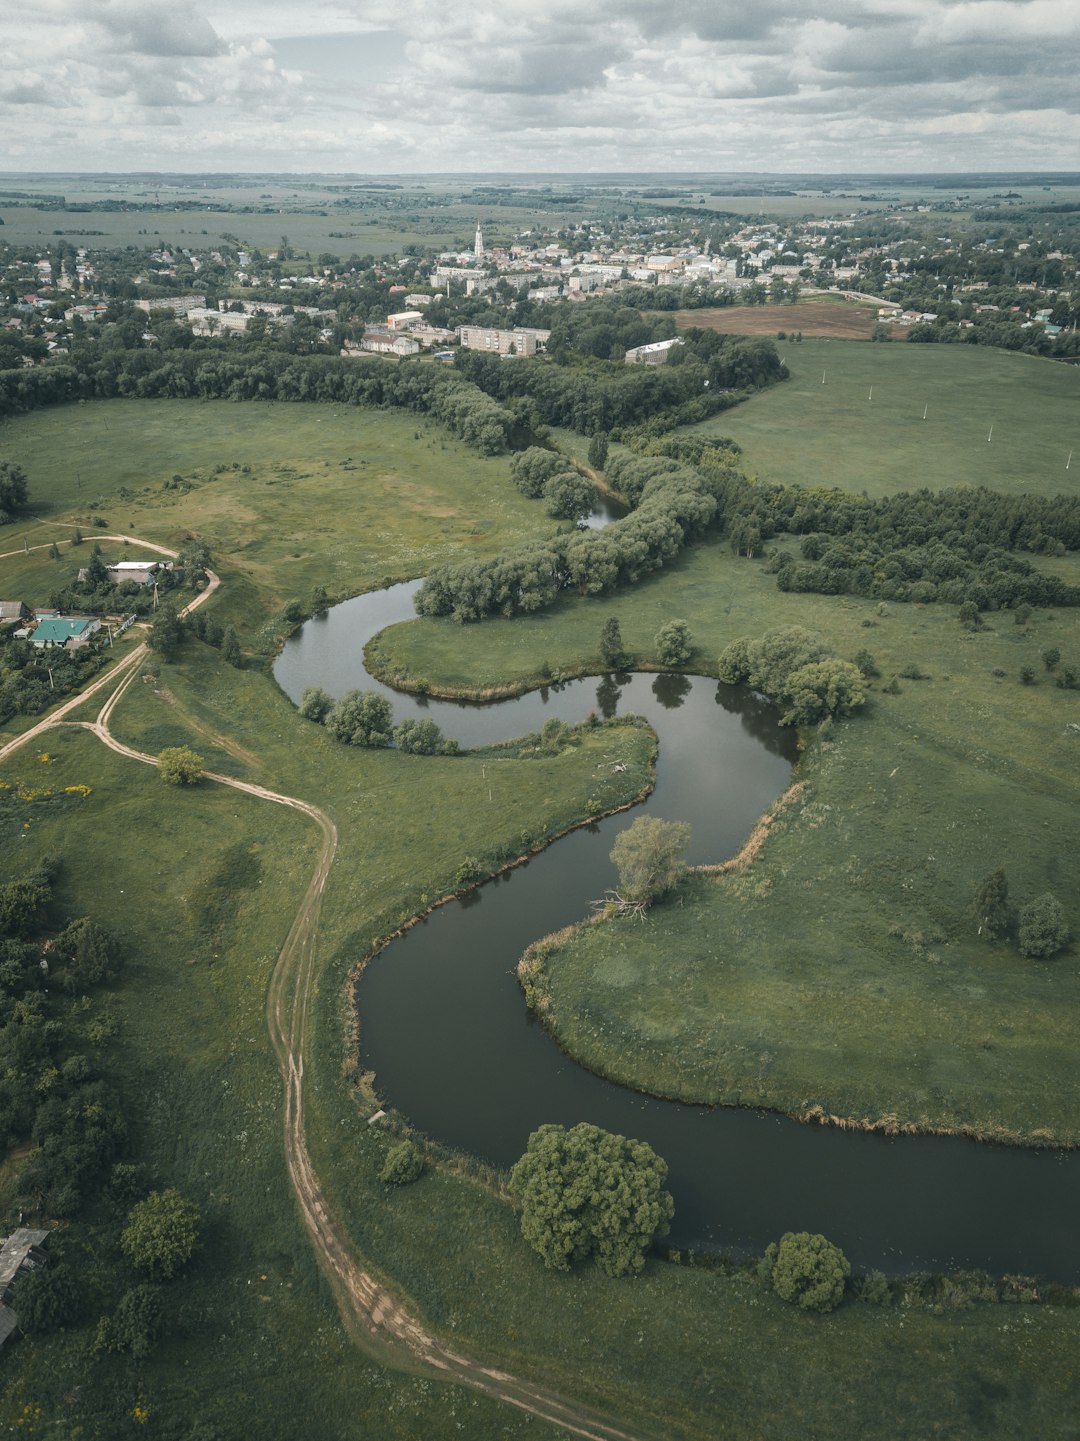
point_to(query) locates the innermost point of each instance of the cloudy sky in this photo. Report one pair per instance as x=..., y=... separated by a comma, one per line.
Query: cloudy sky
x=540, y=85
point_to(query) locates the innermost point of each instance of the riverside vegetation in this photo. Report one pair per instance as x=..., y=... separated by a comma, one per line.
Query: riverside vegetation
x=190, y=1054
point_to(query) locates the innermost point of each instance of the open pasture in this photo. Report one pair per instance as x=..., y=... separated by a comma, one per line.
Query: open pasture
x=853, y=416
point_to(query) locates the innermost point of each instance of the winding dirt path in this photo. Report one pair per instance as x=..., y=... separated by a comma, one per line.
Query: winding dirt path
x=377, y=1319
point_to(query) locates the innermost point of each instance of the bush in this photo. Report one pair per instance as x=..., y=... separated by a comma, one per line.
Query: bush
x=45, y=1299
x=161, y=1234
x=361, y=718
x=404, y=1164
x=1043, y=931
x=419, y=737
x=587, y=1192
x=135, y=1325
x=874, y=1289
x=180, y=766
x=807, y=1270
x=315, y=703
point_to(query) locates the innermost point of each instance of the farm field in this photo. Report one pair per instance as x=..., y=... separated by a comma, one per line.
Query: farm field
x=804, y=432
x=835, y=320
x=205, y=882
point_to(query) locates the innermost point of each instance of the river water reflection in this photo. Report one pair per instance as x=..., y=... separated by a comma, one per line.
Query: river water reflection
x=445, y=1029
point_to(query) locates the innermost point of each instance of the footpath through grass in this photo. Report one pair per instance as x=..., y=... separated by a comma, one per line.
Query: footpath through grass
x=863, y=429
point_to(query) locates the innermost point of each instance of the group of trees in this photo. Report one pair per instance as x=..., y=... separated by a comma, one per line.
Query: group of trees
x=673, y=504
x=952, y=546
x=50, y=1089
x=13, y=490
x=792, y=666
x=365, y=718
x=583, y=1193
x=545, y=474
x=1040, y=926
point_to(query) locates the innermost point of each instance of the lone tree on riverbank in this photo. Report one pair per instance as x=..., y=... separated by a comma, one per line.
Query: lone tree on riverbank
x=649, y=858
x=587, y=1192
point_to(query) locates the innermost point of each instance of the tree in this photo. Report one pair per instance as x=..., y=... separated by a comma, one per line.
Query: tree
x=612, y=654
x=180, y=766
x=673, y=642
x=166, y=633
x=13, y=490
x=161, y=1234
x=419, y=737
x=649, y=858
x=1051, y=656
x=598, y=451
x=1043, y=929
x=45, y=1299
x=315, y=703
x=992, y=906
x=230, y=648
x=807, y=1270
x=824, y=688
x=403, y=1165
x=586, y=1192
x=569, y=496
x=361, y=718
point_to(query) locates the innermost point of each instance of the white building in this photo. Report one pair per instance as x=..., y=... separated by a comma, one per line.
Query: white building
x=524, y=341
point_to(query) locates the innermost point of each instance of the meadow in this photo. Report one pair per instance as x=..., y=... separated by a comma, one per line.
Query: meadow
x=205, y=884
x=289, y=497
x=862, y=429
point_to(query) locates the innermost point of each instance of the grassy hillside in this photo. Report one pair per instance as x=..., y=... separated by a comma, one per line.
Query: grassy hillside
x=808, y=433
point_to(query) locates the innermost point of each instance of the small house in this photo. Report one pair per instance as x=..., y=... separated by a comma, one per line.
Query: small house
x=12, y=612
x=21, y=1252
x=65, y=632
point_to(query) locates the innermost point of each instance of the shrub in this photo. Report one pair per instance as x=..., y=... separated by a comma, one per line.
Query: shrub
x=866, y=664
x=874, y=1289
x=161, y=1234
x=404, y=1164
x=1043, y=931
x=419, y=737
x=315, y=703
x=180, y=766
x=807, y=1270
x=1027, y=675
x=45, y=1299
x=135, y=1325
x=361, y=718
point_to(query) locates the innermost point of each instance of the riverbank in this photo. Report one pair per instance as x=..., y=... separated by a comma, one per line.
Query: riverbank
x=841, y=975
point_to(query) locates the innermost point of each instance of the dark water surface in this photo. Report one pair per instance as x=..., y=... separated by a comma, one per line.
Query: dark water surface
x=446, y=1031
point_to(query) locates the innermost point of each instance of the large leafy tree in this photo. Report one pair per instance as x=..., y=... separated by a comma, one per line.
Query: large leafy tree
x=13, y=490
x=1043, y=928
x=161, y=1233
x=649, y=858
x=586, y=1192
x=807, y=1270
x=361, y=718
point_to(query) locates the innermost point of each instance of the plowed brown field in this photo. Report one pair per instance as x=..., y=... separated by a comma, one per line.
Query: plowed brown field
x=837, y=322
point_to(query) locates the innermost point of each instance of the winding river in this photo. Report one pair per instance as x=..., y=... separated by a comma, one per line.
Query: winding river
x=446, y=1031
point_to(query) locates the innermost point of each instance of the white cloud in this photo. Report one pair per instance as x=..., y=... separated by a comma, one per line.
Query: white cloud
x=628, y=84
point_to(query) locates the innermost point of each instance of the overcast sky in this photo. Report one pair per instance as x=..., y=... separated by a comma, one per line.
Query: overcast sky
x=428, y=85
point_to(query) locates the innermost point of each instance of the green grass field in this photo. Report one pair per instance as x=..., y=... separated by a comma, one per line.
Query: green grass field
x=327, y=495
x=807, y=433
x=206, y=882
